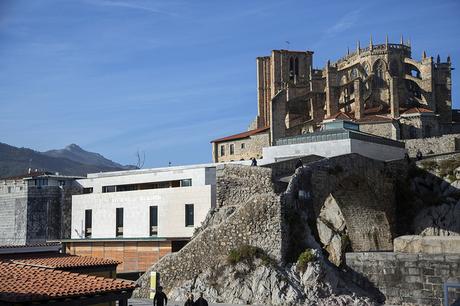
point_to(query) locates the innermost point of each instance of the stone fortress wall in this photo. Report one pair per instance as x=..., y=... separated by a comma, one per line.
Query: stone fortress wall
x=407, y=278
x=443, y=144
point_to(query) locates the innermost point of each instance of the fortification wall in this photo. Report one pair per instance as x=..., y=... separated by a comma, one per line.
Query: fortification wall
x=404, y=278
x=236, y=184
x=433, y=145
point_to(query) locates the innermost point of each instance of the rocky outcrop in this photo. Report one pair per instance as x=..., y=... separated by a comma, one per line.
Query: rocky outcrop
x=442, y=220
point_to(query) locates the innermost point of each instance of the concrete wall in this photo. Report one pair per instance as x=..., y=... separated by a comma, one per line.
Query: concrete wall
x=200, y=175
x=171, y=211
x=333, y=148
x=406, y=279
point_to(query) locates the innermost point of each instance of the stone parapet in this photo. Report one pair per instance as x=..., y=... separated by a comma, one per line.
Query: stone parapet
x=427, y=244
x=406, y=278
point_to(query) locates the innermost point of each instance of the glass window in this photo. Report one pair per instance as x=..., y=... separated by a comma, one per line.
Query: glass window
x=119, y=222
x=88, y=222
x=186, y=183
x=108, y=189
x=222, y=150
x=189, y=215
x=153, y=220
x=232, y=149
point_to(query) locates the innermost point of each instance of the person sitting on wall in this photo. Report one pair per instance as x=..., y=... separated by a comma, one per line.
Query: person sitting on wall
x=299, y=164
x=201, y=301
x=419, y=155
x=160, y=298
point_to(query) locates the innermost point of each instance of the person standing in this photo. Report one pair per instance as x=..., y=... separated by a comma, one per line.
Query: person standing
x=160, y=298
x=201, y=301
x=254, y=162
x=189, y=301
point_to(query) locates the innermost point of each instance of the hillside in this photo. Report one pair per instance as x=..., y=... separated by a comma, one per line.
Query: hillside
x=72, y=160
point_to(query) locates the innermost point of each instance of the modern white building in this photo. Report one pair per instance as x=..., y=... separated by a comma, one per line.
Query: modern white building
x=153, y=209
x=337, y=138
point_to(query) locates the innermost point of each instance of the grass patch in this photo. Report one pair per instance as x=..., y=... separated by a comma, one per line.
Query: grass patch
x=429, y=165
x=304, y=258
x=247, y=253
x=447, y=167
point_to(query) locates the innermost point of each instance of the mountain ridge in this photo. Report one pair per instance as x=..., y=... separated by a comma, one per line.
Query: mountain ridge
x=71, y=160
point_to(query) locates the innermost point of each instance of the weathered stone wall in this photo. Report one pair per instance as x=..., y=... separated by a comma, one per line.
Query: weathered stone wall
x=243, y=149
x=256, y=221
x=407, y=279
x=13, y=216
x=236, y=184
x=364, y=191
x=383, y=129
x=433, y=145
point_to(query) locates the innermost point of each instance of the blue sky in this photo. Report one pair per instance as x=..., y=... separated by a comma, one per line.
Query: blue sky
x=166, y=77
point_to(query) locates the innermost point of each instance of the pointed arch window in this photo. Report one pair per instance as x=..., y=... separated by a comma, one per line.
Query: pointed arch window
x=291, y=68
x=379, y=74
x=296, y=67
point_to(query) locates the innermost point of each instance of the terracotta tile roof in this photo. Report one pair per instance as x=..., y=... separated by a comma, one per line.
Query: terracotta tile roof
x=340, y=116
x=20, y=283
x=417, y=110
x=59, y=261
x=242, y=135
x=35, y=245
x=374, y=118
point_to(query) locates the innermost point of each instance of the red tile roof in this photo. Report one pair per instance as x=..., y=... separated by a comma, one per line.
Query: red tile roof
x=242, y=135
x=20, y=283
x=340, y=116
x=35, y=245
x=59, y=261
x=417, y=110
x=374, y=118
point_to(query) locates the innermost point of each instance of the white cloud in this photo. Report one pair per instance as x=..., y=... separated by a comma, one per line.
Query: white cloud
x=344, y=23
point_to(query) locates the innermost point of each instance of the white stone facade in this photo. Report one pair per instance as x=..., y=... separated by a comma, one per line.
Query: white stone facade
x=170, y=202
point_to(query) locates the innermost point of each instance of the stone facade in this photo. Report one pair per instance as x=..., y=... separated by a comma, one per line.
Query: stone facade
x=237, y=148
x=434, y=145
x=35, y=213
x=379, y=81
x=406, y=278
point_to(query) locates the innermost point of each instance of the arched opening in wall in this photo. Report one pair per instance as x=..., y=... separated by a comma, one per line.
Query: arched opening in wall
x=415, y=94
x=291, y=68
x=354, y=73
x=413, y=71
x=379, y=74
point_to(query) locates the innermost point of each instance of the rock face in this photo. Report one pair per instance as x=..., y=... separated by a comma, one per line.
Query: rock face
x=264, y=284
x=275, y=223
x=332, y=230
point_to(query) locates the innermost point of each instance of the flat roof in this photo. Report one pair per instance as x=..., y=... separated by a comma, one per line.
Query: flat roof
x=336, y=134
x=149, y=170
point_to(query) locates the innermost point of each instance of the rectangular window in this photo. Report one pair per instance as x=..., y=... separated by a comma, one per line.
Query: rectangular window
x=189, y=215
x=10, y=189
x=119, y=225
x=108, y=189
x=242, y=145
x=186, y=183
x=88, y=190
x=88, y=222
x=232, y=149
x=153, y=220
x=222, y=150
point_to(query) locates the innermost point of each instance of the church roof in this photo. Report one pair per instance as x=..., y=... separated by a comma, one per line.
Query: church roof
x=242, y=135
x=417, y=110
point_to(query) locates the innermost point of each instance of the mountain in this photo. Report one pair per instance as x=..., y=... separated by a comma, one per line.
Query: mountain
x=77, y=154
x=72, y=160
